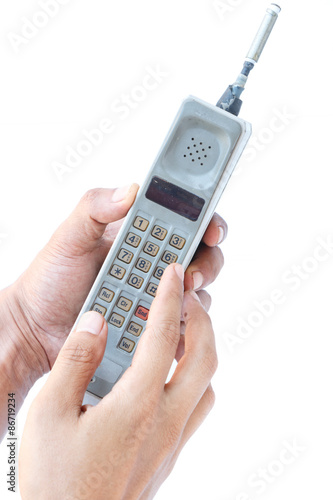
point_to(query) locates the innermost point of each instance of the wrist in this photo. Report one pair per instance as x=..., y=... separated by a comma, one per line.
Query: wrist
x=23, y=358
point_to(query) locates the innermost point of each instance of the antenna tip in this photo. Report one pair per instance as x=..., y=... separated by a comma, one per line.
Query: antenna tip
x=275, y=8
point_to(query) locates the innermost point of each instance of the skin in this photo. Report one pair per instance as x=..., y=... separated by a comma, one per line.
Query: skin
x=37, y=312
x=127, y=445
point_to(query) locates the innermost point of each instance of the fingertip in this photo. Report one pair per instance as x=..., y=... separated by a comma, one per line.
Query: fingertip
x=124, y=193
x=221, y=235
x=198, y=280
x=91, y=322
x=179, y=271
x=216, y=232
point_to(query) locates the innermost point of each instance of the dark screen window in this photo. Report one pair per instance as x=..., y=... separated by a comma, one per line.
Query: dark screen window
x=175, y=198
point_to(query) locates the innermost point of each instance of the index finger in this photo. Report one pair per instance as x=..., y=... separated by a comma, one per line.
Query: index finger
x=199, y=362
x=157, y=347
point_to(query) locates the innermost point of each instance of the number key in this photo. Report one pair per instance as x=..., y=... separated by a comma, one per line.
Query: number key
x=135, y=281
x=125, y=255
x=169, y=257
x=141, y=223
x=133, y=240
x=159, y=272
x=159, y=232
x=177, y=241
x=151, y=248
x=143, y=265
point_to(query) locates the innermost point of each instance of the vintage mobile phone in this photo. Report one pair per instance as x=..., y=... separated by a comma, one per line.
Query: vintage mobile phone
x=170, y=215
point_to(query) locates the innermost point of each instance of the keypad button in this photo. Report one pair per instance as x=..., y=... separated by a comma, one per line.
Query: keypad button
x=151, y=248
x=177, y=241
x=117, y=272
x=159, y=232
x=100, y=309
x=126, y=344
x=106, y=294
x=152, y=289
x=141, y=223
x=135, y=281
x=125, y=255
x=124, y=304
x=133, y=240
x=159, y=272
x=169, y=257
x=116, y=320
x=143, y=265
x=134, y=329
x=142, y=313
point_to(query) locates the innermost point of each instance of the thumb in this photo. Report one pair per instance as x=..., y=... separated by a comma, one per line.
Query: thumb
x=96, y=209
x=78, y=360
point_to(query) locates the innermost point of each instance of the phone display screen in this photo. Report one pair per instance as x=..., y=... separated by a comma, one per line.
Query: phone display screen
x=175, y=198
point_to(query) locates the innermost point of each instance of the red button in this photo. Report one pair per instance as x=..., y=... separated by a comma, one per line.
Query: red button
x=142, y=313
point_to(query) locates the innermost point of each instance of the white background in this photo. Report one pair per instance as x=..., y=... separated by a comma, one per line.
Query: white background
x=277, y=384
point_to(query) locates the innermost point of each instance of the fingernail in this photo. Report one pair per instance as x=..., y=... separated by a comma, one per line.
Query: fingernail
x=120, y=193
x=197, y=280
x=221, y=235
x=91, y=322
x=180, y=271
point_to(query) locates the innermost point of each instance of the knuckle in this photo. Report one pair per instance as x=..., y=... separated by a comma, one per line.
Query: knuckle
x=89, y=205
x=167, y=331
x=90, y=196
x=175, y=295
x=173, y=434
x=209, y=399
x=209, y=362
x=78, y=353
x=149, y=404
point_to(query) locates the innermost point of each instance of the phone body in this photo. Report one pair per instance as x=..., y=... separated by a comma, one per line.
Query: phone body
x=165, y=224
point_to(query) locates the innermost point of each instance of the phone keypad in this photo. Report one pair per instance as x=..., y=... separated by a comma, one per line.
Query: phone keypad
x=148, y=247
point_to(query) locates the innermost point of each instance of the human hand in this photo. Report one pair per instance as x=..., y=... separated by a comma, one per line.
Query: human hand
x=126, y=446
x=50, y=294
